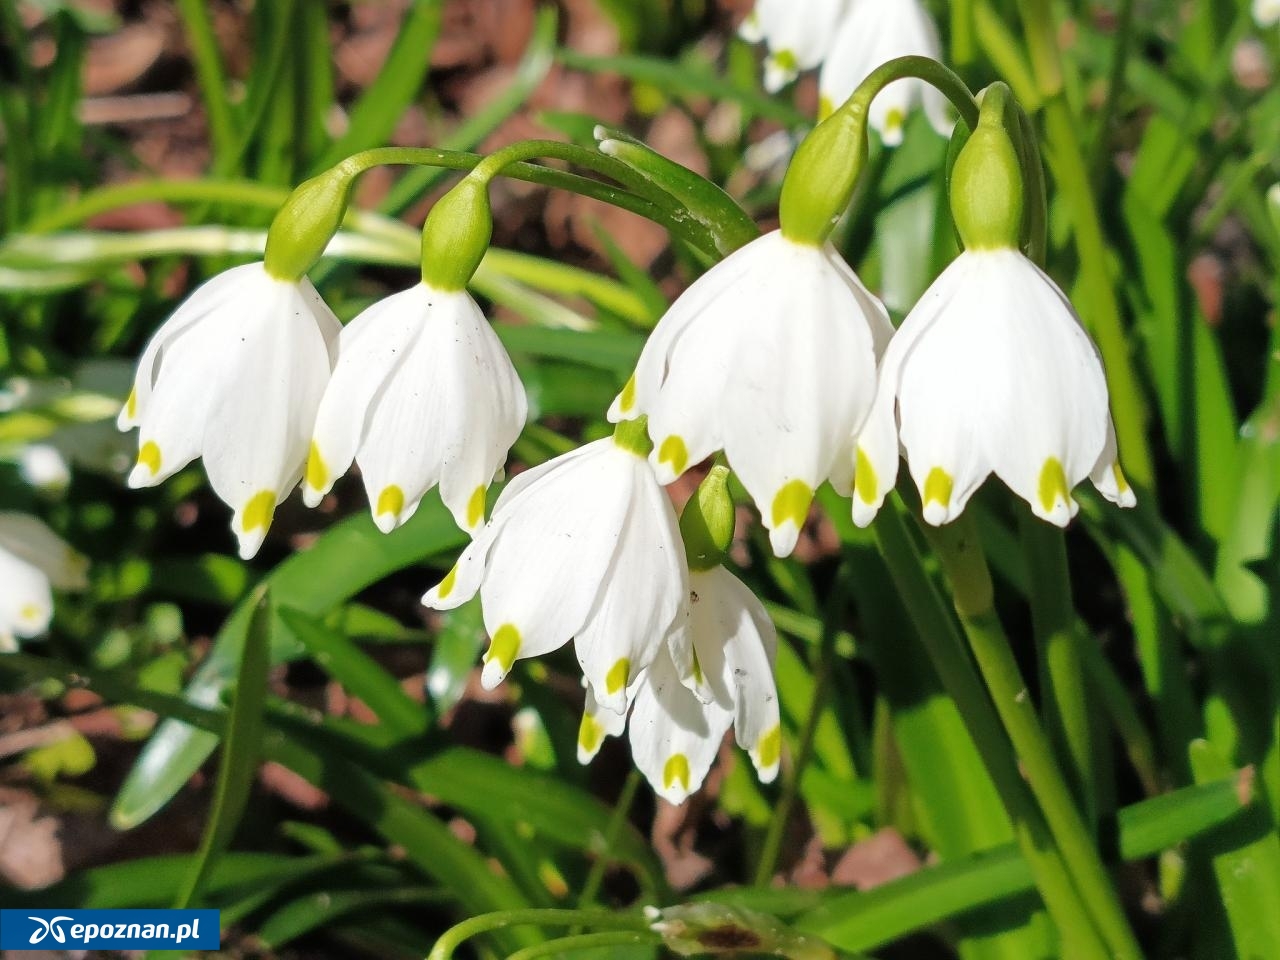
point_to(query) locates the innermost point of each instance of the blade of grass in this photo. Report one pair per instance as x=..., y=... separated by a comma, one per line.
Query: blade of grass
x=241, y=748
x=374, y=116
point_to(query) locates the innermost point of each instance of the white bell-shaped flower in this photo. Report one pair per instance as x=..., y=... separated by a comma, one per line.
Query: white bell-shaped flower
x=584, y=546
x=423, y=394
x=34, y=561
x=1266, y=13
x=992, y=372
x=680, y=716
x=770, y=356
x=235, y=376
x=797, y=32
x=872, y=33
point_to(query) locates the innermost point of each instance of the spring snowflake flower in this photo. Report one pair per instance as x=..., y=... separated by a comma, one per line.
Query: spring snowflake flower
x=235, y=376
x=423, y=393
x=680, y=717
x=870, y=34
x=991, y=372
x=797, y=32
x=585, y=546
x=1266, y=13
x=770, y=356
x=34, y=561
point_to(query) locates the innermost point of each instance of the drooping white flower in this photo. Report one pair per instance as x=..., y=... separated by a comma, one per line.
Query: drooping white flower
x=1266, y=13
x=587, y=547
x=797, y=32
x=770, y=356
x=34, y=561
x=235, y=376
x=423, y=393
x=991, y=372
x=680, y=716
x=872, y=33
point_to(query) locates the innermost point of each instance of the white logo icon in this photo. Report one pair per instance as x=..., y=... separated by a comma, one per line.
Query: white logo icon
x=48, y=927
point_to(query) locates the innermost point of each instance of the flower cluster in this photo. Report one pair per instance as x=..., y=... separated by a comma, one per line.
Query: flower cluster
x=848, y=39
x=256, y=375
x=779, y=357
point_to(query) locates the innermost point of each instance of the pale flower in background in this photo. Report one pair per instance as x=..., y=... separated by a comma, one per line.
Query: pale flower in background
x=797, y=32
x=585, y=546
x=34, y=561
x=681, y=713
x=874, y=32
x=770, y=356
x=1266, y=13
x=44, y=467
x=991, y=372
x=235, y=376
x=423, y=394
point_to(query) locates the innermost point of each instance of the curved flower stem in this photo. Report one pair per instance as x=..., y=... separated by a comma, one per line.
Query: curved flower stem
x=921, y=68
x=804, y=752
x=1100, y=308
x=586, y=941
x=621, y=810
x=515, y=167
x=452, y=938
x=959, y=548
x=937, y=631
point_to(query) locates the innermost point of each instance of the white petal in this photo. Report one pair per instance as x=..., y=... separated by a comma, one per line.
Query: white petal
x=257, y=435
x=26, y=603
x=30, y=540
x=1049, y=411
x=704, y=296
x=553, y=546
x=945, y=395
x=596, y=724
x=642, y=599
x=684, y=417
x=370, y=349
x=491, y=409
x=461, y=583
x=1107, y=475
x=210, y=298
x=803, y=32
x=192, y=375
x=674, y=737
x=804, y=378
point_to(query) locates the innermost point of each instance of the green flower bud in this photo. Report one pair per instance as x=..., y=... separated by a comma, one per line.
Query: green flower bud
x=456, y=235
x=307, y=222
x=703, y=928
x=825, y=169
x=707, y=522
x=987, y=199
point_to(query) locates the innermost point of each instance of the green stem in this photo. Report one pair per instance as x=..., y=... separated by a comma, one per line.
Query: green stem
x=621, y=810
x=927, y=69
x=452, y=938
x=1062, y=672
x=586, y=941
x=1115, y=86
x=772, y=846
x=209, y=73
x=959, y=548
x=1099, y=306
x=962, y=45
x=937, y=631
